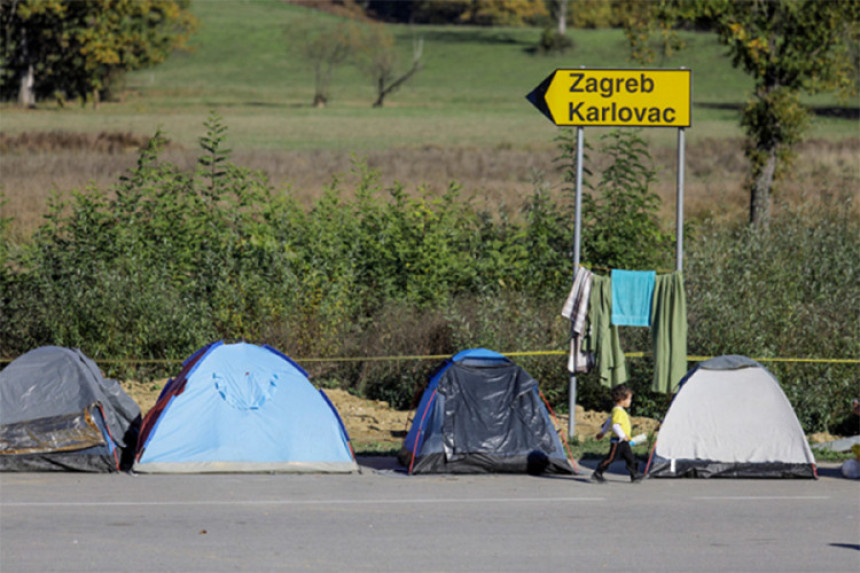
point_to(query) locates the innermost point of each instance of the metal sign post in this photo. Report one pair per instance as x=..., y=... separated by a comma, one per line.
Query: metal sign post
x=577, y=223
x=679, y=205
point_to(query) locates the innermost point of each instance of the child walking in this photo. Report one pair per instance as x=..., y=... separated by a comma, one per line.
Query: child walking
x=619, y=423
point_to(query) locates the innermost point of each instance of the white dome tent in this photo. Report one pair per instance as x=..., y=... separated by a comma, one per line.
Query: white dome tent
x=730, y=418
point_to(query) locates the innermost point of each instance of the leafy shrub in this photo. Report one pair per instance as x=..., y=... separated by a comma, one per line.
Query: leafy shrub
x=620, y=224
x=551, y=42
x=790, y=290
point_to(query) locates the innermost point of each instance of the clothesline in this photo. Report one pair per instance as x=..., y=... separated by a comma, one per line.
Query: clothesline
x=606, y=269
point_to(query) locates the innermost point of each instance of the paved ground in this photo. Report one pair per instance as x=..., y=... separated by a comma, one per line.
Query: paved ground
x=383, y=520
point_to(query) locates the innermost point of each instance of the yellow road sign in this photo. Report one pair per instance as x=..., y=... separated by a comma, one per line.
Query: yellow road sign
x=625, y=98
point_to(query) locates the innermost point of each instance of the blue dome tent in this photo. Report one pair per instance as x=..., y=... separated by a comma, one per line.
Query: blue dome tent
x=242, y=408
x=482, y=413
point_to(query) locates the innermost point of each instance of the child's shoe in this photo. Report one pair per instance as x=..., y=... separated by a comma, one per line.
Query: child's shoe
x=597, y=477
x=637, y=477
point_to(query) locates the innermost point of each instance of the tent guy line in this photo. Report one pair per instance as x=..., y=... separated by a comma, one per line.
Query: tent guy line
x=493, y=500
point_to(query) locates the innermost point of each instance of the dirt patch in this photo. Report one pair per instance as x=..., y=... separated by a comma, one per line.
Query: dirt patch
x=144, y=393
x=371, y=421
x=821, y=437
x=376, y=423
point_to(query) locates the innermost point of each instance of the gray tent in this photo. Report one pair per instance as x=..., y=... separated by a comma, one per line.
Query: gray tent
x=730, y=418
x=57, y=412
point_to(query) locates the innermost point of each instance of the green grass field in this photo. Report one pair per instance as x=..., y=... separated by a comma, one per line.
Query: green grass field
x=470, y=94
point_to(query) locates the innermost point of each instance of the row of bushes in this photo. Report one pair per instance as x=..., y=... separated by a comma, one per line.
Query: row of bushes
x=169, y=260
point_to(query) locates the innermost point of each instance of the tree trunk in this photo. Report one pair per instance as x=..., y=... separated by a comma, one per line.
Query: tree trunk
x=26, y=96
x=322, y=76
x=760, y=191
x=382, y=90
x=562, y=17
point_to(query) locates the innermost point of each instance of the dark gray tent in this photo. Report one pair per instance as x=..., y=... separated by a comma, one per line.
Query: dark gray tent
x=483, y=413
x=57, y=412
x=730, y=418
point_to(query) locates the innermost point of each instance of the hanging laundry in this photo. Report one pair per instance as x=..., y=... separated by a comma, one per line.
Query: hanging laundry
x=579, y=361
x=603, y=340
x=576, y=310
x=632, y=294
x=669, y=332
x=576, y=306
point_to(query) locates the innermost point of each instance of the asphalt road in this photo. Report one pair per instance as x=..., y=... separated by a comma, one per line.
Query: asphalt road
x=383, y=520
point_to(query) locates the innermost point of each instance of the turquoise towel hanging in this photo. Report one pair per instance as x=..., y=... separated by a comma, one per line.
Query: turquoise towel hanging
x=632, y=295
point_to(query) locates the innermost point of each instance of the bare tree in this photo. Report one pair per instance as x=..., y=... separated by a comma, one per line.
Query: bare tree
x=379, y=61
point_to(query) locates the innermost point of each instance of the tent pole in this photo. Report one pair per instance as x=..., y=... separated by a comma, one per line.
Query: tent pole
x=577, y=224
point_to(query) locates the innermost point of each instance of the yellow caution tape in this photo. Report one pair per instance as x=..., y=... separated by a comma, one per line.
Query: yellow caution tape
x=445, y=356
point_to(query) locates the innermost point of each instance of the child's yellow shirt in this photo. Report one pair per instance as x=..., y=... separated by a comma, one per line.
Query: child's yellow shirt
x=619, y=416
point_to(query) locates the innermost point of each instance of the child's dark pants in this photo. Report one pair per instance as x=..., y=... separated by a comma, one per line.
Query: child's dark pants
x=618, y=449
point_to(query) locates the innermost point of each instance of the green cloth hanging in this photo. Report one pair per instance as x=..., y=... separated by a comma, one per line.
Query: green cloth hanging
x=603, y=340
x=669, y=332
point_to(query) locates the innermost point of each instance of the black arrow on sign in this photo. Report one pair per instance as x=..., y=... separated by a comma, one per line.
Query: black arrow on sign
x=538, y=99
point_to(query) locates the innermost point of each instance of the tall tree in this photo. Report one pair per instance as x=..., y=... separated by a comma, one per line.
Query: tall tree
x=788, y=47
x=77, y=48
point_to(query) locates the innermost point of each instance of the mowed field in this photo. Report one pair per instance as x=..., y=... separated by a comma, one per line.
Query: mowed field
x=462, y=119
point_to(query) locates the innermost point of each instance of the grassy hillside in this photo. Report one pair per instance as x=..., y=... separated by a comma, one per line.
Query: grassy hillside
x=471, y=92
